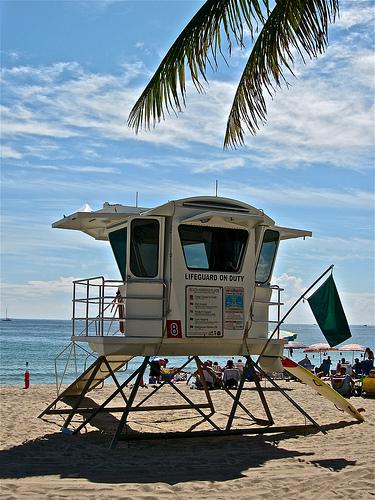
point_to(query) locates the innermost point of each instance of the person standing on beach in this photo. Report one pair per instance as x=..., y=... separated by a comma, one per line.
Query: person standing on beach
x=368, y=361
x=155, y=371
x=326, y=366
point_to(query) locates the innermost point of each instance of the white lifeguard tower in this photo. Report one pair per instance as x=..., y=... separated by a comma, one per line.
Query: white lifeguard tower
x=195, y=280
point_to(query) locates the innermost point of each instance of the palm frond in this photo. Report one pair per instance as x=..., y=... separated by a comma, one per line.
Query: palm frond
x=292, y=24
x=197, y=46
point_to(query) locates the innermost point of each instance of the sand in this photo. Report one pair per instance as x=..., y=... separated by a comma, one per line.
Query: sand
x=40, y=461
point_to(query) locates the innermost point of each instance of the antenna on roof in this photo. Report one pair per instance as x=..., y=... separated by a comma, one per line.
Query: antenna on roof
x=136, y=199
x=216, y=186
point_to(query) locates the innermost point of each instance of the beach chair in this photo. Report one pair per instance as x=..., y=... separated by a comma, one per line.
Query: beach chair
x=231, y=376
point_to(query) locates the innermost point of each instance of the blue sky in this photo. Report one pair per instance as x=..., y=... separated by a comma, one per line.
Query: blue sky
x=71, y=72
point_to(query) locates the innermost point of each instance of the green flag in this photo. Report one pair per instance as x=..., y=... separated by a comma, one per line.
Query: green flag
x=326, y=306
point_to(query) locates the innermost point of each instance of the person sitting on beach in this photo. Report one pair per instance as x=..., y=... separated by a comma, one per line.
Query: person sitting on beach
x=357, y=368
x=341, y=362
x=217, y=369
x=349, y=368
x=239, y=365
x=180, y=377
x=343, y=383
x=319, y=371
x=212, y=381
x=231, y=375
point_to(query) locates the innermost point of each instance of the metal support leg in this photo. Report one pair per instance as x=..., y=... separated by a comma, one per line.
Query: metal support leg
x=237, y=402
x=251, y=366
x=156, y=389
x=115, y=380
x=84, y=391
x=188, y=400
x=194, y=406
x=236, y=398
x=129, y=403
x=204, y=383
x=108, y=400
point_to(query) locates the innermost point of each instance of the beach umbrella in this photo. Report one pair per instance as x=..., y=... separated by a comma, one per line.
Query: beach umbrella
x=351, y=347
x=320, y=347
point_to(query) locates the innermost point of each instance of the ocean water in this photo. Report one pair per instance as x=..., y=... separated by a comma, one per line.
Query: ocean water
x=39, y=342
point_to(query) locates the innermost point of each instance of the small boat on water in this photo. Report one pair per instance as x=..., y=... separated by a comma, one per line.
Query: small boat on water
x=6, y=316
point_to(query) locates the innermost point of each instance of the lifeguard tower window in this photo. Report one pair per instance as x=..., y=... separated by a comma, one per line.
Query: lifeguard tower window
x=118, y=240
x=213, y=248
x=267, y=256
x=144, y=248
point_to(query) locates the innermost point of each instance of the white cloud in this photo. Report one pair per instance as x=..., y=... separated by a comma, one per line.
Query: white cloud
x=92, y=169
x=219, y=165
x=342, y=249
x=9, y=152
x=354, y=14
x=306, y=196
x=38, y=299
x=13, y=55
x=38, y=288
x=42, y=73
x=320, y=120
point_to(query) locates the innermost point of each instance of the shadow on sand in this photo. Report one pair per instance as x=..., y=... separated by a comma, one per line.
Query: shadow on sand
x=204, y=459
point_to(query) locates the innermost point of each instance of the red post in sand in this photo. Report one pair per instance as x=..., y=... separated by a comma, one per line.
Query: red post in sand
x=27, y=377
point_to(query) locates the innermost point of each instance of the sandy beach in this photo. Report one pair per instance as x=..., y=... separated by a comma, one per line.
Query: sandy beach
x=39, y=461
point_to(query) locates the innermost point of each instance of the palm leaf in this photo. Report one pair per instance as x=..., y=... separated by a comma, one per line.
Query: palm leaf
x=197, y=46
x=293, y=24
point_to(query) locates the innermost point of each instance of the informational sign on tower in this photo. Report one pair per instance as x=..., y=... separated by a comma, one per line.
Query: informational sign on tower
x=234, y=308
x=204, y=311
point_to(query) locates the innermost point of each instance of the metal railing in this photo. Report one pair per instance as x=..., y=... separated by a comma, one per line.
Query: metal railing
x=71, y=357
x=98, y=308
x=271, y=302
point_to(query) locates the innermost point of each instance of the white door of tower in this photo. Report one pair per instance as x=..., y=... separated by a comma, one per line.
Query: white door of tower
x=144, y=289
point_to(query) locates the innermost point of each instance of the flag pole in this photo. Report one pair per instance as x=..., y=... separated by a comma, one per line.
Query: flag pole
x=291, y=309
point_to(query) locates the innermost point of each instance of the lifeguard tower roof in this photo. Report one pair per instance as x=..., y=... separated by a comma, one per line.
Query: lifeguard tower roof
x=207, y=209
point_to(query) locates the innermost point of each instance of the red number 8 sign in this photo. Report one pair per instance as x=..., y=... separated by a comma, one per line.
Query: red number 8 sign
x=174, y=329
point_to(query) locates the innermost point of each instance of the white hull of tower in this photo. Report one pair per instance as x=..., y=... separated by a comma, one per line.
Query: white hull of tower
x=108, y=346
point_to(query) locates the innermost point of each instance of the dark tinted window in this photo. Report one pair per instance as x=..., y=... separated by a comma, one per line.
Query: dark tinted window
x=213, y=248
x=118, y=244
x=267, y=256
x=144, y=248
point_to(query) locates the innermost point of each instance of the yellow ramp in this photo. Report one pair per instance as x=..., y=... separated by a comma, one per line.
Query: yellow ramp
x=321, y=387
